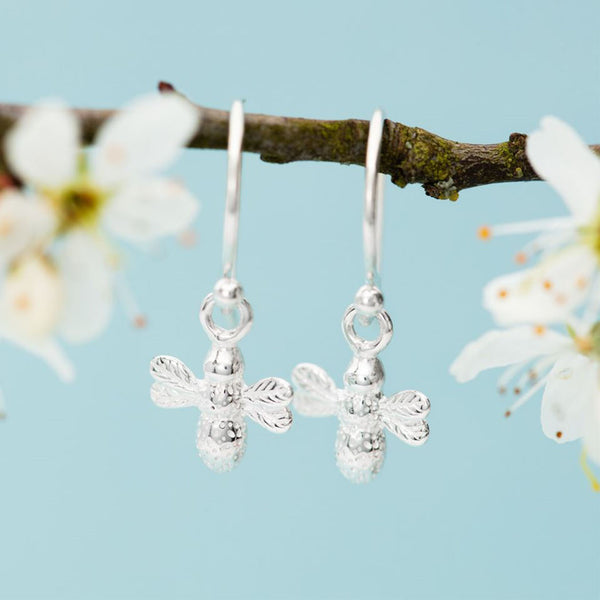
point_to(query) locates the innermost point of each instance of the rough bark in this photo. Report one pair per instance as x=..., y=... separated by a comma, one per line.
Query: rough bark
x=408, y=154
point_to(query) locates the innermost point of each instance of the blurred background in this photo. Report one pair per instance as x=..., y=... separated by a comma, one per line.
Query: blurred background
x=102, y=493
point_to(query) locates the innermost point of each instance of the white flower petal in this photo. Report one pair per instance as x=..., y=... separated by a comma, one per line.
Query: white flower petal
x=145, y=210
x=24, y=225
x=560, y=156
x=572, y=382
x=503, y=347
x=31, y=298
x=546, y=293
x=143, y=138
x=53, y=354
x=47, y=349
x=42, y=147
x=88, y=284
x=591, y=428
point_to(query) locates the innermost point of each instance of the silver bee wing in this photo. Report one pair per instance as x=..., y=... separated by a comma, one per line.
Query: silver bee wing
x=403, y=414
x=175, y=385
x=271, y=391
x=413, y=432
x=266, y=403
x=408, y=404
x=316, y=393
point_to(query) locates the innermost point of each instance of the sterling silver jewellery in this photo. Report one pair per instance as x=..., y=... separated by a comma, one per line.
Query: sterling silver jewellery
x=363, y=411
x=222, y=396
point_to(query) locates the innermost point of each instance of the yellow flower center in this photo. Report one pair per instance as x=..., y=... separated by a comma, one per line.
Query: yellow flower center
x=589, y=343
x=584, y=344
x=79, y=204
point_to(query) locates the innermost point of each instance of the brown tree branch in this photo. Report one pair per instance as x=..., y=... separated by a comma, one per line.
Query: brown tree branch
x=408, y=154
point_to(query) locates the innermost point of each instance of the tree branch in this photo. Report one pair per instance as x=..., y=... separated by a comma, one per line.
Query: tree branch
x=408, y=154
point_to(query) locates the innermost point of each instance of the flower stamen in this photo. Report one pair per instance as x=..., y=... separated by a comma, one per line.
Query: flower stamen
x=187, y=238
x=486, y=232
x=530, y=392
x=560, y=299
x=521, y=258
x=508, y=375
x=129, y=302
x=22, y=302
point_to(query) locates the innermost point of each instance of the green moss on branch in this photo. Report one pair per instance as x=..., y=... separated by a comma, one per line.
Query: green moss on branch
x=408, y=154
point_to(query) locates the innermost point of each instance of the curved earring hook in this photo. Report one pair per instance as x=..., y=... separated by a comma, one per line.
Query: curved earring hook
x=232, y=198
x=373, y=208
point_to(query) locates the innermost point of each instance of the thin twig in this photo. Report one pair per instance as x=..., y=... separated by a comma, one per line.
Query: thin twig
x=408, y=154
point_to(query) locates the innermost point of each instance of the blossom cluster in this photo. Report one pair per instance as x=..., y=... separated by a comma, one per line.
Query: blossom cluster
x=561, y=289
x=64, y=206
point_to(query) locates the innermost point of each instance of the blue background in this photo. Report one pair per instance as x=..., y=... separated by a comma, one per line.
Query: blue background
x=102, y=494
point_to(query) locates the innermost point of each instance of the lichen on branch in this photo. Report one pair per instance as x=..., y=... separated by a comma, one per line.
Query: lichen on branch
x=408, y=154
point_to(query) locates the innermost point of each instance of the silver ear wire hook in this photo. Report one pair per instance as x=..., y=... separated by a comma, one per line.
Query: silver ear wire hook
x=222, y=396
x=373, y=208
x=364, y=412
x=232, y=200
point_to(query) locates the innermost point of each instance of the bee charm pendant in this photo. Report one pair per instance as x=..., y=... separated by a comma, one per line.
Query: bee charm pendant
x=222, y=396
x=363, y=411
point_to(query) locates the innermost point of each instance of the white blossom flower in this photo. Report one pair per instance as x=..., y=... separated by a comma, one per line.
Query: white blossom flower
x=566, y=367
x=569, y=247
x=58, y=268
x=68, y=295
x=118, y=188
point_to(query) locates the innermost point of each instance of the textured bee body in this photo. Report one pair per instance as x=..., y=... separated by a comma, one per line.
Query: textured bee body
x=221, y=437
x=359, y=453
x=360, y=443
x=224, y=400
x=363, y=411
x=221, y=441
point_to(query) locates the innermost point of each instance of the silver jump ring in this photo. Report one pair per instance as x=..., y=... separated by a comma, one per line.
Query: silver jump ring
x=218, y=334
x=361, y=346
x=373, y=207
x=232, y=199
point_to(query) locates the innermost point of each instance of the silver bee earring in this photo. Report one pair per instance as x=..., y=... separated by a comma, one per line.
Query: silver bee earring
x=363, y=411
x=222, y=396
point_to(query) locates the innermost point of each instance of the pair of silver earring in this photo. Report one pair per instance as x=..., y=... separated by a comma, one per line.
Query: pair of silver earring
x=225, y=401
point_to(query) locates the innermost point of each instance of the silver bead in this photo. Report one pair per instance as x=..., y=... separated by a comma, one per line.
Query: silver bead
x=369, y=300
x=228, y=292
